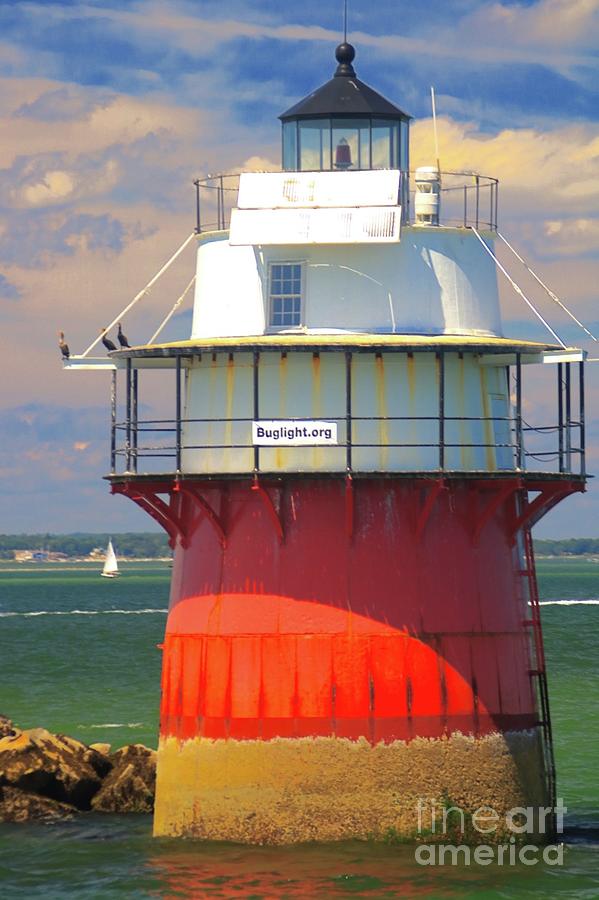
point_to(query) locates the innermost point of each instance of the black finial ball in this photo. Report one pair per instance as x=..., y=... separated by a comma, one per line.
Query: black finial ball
x=345, y=54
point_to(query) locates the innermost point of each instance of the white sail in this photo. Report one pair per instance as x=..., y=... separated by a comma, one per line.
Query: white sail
x=111, y=567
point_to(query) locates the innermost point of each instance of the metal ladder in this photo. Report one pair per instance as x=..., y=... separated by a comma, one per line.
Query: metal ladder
x=538, y=670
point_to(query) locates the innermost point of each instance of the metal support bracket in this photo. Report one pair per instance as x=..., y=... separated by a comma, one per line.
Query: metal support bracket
x=147, y=498
x=205, y=510
x=499, y=497
x=424, y=515
x=269, y=505
x=549, y=496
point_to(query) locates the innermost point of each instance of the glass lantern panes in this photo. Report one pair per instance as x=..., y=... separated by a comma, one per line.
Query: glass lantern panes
x=340, y=143
x=356, y=135
x=385, y=144
x=314, y=145
x=290, y=146
x=285, y=295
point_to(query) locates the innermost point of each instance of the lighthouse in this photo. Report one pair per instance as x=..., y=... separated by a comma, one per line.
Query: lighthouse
x=348, y=479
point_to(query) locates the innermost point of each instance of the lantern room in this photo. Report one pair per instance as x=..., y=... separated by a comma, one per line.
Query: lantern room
x=345, y=125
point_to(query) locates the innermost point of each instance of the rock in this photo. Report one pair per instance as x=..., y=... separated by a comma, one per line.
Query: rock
x=55, y=766
x=130, y=785
x=7, y=729
x=20, y=806
x=101, y=748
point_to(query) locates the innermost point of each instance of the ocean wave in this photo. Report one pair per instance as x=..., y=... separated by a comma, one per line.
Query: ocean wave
x=569, y=603
x=114, y=725
x=84, y=612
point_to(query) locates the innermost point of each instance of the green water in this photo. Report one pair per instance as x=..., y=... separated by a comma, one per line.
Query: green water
x=78, y=654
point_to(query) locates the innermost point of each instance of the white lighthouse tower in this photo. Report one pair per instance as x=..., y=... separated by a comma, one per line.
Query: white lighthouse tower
x=349, y=485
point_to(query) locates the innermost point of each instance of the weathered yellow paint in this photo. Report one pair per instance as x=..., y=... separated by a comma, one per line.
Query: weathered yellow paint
x=412, y=402
x=490, y=453
x=283, y=378
x=213, y=380
x=355, y=340
x=316, y=403
x=381, y=403
x=230, y=387
x=324, y=789
x=466, y=433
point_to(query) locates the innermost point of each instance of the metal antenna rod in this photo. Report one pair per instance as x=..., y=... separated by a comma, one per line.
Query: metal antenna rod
x=435, y=127
x=345, y=21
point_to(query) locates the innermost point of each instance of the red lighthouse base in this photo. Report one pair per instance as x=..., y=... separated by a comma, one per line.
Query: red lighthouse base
x=337, y=651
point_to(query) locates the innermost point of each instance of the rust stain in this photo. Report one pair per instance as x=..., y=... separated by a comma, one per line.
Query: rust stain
x=214, y=616
x=208, y=437
x=283, y=379
x=411, y=376
x=413, y=433
x=317, y=452
x=488, y=430
x=465, y=429
x=381, y=403
x=316, y=384
x=229, y=394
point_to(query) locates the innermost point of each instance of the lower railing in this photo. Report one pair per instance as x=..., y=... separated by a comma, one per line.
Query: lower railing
x=438, y=443
x=359, y=446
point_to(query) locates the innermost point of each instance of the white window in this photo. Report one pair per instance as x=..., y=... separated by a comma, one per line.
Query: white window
x=285, y=295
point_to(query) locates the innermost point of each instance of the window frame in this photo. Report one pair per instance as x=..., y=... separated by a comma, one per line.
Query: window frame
x=270, y=326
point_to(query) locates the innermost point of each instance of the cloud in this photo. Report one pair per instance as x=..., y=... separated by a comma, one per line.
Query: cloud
x=118, y=120
x=547, y=23
x=558, y=167
x=571, y=237
x=32, y=423
x=56, y=185
x=259, y=164
x=8, y=291
x=68, y=103
x=35, y=240
x=488, y=32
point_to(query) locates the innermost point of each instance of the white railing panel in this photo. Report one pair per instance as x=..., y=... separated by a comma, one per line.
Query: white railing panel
x=291, y=190
x=364, y=225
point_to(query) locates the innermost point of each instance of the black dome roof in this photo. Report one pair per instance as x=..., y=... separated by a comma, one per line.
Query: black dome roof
x=344, y=95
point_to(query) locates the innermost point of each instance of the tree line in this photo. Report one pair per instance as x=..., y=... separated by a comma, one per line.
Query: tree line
x=150, y=545
x=567, y=547
x=153, y=545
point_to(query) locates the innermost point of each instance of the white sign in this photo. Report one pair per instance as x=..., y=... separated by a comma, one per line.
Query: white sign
x=269, y=190
x=293, y=433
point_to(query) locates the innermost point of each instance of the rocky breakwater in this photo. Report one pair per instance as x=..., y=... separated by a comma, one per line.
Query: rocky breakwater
x=46, y=776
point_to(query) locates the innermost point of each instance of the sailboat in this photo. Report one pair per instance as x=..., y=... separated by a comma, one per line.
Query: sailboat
x=111, y=567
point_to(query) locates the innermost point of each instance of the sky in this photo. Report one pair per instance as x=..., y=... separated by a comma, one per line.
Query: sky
x=108, y=111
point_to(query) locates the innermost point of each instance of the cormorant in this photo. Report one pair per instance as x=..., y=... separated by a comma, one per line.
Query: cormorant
x=106, y=341
x=64, y=347
x=122, y=339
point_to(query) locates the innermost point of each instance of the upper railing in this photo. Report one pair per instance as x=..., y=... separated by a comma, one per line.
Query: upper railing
x=466, y=200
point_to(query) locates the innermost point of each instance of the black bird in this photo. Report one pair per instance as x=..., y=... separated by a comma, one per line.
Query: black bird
x=122, y=339
x=106, y=341
x=64, y=347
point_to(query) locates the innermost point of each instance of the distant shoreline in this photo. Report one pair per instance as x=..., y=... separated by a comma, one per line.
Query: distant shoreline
x=84, y=549
x=66, y=565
